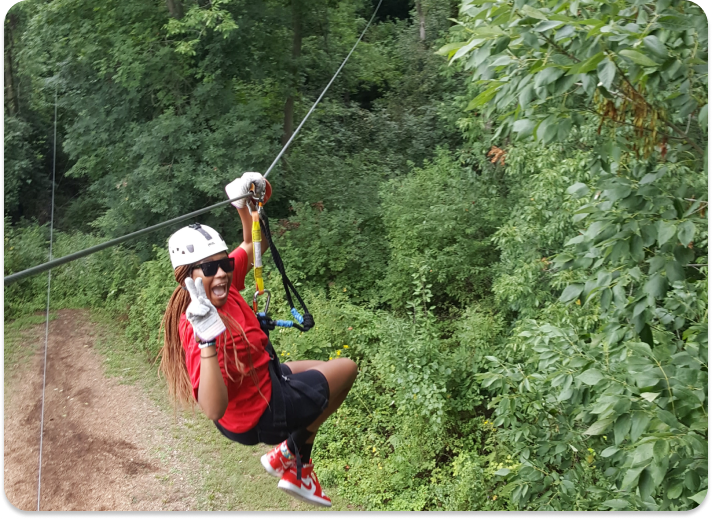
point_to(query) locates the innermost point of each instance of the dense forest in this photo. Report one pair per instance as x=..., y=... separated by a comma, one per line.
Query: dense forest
x=499, y=211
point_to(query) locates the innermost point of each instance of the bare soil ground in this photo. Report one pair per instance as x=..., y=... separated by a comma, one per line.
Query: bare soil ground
x=106, y=446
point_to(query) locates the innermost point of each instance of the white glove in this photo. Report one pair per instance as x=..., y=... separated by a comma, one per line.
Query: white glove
x=201, y=313
x=241, y=186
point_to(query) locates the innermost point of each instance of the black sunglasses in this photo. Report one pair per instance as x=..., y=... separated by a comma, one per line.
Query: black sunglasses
x=210, y=268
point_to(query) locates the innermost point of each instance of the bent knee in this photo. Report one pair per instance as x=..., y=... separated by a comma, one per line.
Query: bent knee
x=345, y=365
x=350, y=367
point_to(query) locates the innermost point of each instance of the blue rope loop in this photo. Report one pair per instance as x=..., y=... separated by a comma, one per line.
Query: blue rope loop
x=297, y=316
x=278, y=322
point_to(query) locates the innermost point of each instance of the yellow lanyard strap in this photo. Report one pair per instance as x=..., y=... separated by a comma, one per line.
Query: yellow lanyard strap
x=257, y=253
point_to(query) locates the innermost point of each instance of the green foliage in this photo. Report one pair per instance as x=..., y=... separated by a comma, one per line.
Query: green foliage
x=21, y=169
x=543, y=66
x=414, y=402
x=584, y=414
x=518, y=264
x=151, y=289
x=337, y=248
x=198, y=20
x=440, y=218
x=98, y=280
x=602, y=395
x=539, y=221
x=24, y=248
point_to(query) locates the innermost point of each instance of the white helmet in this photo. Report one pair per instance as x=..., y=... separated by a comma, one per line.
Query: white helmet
x=193, y=243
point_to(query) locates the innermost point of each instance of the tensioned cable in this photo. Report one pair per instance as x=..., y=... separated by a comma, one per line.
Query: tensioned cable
x=96, y=248
x=284, y=148
x=49, y=284
x=91, y=250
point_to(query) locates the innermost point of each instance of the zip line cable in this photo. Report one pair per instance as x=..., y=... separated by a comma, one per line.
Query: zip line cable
x=274, y=162
x=49, y=285
x=96, y=248
x=91, y=250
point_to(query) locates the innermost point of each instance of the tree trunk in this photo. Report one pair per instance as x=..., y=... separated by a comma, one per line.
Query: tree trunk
x=10, y=99
x=175, y=9
x=421, y=17
x=296, y=53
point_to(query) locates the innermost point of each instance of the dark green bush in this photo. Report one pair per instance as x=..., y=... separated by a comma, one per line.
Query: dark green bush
x=440, y=218
x=152, y=288
x=99, y=280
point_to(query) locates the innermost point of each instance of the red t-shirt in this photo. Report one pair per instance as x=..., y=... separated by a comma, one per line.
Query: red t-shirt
x=245, y=404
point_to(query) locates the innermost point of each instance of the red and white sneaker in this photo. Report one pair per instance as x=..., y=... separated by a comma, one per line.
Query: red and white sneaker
x=308, y=489
x=279, y=460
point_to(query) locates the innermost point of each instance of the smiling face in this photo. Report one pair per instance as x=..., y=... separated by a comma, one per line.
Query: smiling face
x=217, y=286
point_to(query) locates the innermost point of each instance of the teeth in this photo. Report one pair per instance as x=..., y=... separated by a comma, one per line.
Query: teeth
x=219, y=290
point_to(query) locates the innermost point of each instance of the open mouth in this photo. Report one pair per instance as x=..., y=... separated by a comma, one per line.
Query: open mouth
x=219, y=290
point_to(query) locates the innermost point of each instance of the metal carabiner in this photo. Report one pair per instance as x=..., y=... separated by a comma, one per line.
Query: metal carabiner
x=254, y=300
x=257, y=200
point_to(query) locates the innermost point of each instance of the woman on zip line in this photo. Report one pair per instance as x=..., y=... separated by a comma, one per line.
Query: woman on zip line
x=215, y=352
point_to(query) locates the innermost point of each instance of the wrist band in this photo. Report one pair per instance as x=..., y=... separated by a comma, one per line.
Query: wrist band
x=202, y=345
x=209, y=356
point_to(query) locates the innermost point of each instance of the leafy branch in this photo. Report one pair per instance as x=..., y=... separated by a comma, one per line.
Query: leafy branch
x=683, y=135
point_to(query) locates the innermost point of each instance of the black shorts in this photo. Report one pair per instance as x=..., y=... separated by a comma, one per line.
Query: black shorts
x=306, y=395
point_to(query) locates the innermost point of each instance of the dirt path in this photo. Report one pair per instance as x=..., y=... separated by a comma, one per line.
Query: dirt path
x=106, y=446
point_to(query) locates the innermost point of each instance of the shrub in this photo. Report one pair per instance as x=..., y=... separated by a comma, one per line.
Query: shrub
x=99, y=280
x=440, y=216
x=151, y=291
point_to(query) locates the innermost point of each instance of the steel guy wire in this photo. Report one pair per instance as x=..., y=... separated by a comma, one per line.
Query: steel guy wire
x=49, y=286
x=96, y=248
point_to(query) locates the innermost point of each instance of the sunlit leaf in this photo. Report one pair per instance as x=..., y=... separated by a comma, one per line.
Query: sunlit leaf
x=533, y=12
x=590, y=377
x=638, y=57
x=546, y=25
x=606, y=72
x=588, y=65
x=599, y=427
x=650, y=396
x=699, y=497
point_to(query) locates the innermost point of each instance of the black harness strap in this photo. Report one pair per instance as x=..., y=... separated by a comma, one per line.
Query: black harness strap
x=279, y=411
x=308, y=322
x=267, y=325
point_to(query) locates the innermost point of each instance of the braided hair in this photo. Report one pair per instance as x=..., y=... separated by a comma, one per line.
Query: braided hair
x=172, y=355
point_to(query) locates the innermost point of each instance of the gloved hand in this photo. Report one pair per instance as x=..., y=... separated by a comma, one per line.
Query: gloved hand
x=201, y=313
x=241, y=186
